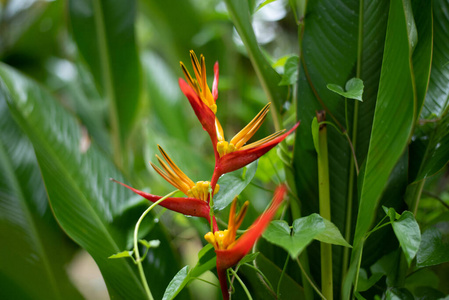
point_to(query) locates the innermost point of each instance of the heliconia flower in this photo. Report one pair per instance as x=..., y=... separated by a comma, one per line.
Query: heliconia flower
x=230, y=251
x=197, y=202
x=199, y=84
x=179, y=180
x=244, y=155
x=185, y=205
x=232, y=155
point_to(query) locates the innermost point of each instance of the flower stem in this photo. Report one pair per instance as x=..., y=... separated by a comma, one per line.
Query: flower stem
x=242, y=284
x=282, y=275
x=325, y=207
x=309, y=280
x=136, y=247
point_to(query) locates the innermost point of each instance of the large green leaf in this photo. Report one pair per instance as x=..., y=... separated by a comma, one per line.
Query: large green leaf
x=86, y=204
x=329, y=55
x=437, y=98
x=104, y=33
x=27, y=229
x=393, y=120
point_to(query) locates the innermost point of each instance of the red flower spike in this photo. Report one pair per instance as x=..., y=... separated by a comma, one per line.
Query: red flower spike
x=247, y=154
x=230, y=253
x=204, y=114
x=215, y=83
x=184, y=205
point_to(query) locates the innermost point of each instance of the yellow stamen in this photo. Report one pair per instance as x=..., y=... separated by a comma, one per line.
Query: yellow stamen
x=200, y=83
x=246, y=133
x=171, y=172
x=239, y=140
x=226, y=239
x=264, y=140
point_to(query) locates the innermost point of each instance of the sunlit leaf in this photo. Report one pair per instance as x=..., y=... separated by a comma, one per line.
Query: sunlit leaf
x=83, y=200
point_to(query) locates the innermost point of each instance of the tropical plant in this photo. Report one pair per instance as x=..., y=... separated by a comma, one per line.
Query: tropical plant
x=89, y=91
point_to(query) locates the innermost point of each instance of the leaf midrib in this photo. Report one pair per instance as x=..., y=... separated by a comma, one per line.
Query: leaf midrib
x=30, y=220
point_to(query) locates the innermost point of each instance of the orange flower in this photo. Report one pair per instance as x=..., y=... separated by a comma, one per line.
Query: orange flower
x=229, y=250
x=179, y=180
x=197, y=202
x=232, y=155
x=199, y=84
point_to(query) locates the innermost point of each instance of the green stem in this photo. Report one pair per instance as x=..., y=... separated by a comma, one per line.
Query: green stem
x=353, y=162
x=325, y=208
x=417, y=196
x=265, y=280
x=359, y=262
x=309, y=280
x=241, y=283
x=136, y=246
x=282, y=275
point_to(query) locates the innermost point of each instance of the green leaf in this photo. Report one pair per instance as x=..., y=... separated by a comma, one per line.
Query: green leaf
x=354, y=89
x=315, y=133
x=150, y=244
x=329, y=55
x=288, y=287
x=436, y=154
x=331, y=235
x=391, y=213
x=392, y=124
x=366, y=283
x=393, y=118
x=407, y=231
x=104, y=33
x=206, y=261
x=34, y=250
x=232, y=184
x=122, y=254
x=434, y=246
x=84, y=201
x=398, y=294
x=249, y=258
x=423, y=52
x=437, y=100
x=290, y=75
x=264, y=3
x=304, y=231
x=176, y=284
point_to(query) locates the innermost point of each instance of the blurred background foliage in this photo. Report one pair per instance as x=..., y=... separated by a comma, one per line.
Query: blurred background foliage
x=107, y=72
x=56, y=43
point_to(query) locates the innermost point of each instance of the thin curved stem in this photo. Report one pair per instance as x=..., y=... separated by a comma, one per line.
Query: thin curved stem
x=136, y=246
x=282, y=275
x=242, y=284
x=309, y=280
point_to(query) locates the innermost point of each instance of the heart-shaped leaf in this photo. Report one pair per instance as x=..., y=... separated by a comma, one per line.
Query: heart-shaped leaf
x=353, y=89
x=407, y=231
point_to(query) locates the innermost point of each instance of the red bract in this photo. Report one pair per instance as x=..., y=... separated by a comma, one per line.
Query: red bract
x=204, y=114
x=184, y=205
x=235, y=160
x=230, y=251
